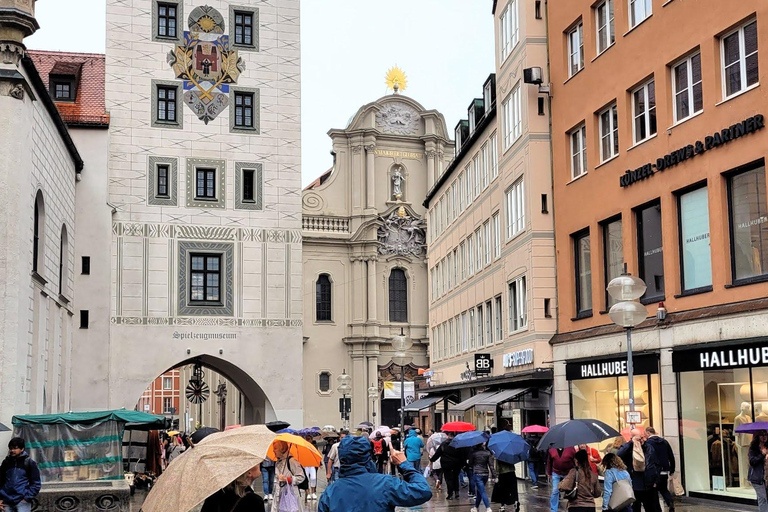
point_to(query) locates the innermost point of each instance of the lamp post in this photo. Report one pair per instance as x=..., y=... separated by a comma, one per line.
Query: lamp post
x=373, y=394
x=401, y=344
x=345, y=389
x=628, y=313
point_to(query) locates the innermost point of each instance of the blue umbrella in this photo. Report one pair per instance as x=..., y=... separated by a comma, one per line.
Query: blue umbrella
x=508, y=447
x=287, y=431
x=472, y=438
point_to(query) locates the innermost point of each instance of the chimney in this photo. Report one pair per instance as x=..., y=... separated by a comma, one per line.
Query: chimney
x=17, y=21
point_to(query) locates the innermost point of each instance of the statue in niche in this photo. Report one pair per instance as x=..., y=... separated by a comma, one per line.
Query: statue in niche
x=397, y=182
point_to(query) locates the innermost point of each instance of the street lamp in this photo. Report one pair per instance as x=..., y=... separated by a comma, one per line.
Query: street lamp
x=401, y=344
x=628, y=313
x=345, y=389
x=373, y=394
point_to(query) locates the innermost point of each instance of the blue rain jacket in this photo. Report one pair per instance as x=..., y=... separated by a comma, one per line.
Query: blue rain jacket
x=413, y=446
x=361, y=489
x=19, y=479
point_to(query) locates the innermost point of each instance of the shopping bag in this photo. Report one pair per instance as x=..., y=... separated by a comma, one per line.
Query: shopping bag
x=622, y=495
x=674, y=485
x=426, y=472
x=288, y=501
x=638, y=457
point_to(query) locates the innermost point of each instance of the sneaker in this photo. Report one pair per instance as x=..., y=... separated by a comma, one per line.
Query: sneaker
x=267, y=496
x=314, y=496
x=517, y=506
x=501, y=508
x=535, y=486
x=473, y=509
x=450, y=497
x=471, y=496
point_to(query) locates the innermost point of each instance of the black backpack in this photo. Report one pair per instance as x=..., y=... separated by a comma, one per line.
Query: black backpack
x=304, y=485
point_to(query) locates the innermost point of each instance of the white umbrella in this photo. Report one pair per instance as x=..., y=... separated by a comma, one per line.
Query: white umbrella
x=328, y=428
x=435, y=440
x=384, y=431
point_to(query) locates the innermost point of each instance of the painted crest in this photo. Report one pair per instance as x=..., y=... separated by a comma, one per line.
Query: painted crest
x=206, y=63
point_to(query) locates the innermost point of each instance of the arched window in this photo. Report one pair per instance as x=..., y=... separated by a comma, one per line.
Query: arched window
x=323, y=298
x=39, y=239
x=63, y=260
x=398, y=296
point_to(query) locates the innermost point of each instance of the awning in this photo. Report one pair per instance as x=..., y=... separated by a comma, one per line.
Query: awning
x=423, y=403
x=470, y=402
x=505, y=395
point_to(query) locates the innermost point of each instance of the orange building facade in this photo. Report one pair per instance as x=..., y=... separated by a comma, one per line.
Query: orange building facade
x=659, y=148
x=162, y=396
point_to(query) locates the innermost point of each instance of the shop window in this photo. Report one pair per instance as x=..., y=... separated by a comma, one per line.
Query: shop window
x=583, y=264
x=695, y=253
x=613, y=255
x=650, y=251
x=748, y=224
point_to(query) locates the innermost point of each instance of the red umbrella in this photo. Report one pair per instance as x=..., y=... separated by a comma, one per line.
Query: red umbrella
x=458, y=426
x=535, y=429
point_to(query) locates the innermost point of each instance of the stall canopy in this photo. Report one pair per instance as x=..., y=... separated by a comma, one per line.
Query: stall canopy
x=77, y=446
x=470, y=402
x=505, y=395
x=423, y=403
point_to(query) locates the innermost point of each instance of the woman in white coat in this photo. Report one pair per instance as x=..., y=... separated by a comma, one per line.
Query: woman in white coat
x=288, y=475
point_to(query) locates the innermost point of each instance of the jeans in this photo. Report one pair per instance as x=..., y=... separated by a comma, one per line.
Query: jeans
x=268, y=479
x=334, y=474
x=762, y=499
x=554, y=500
x=22, y=506
x=533, y=472
x=663, y=487
x=471, y=476
x=480, y=481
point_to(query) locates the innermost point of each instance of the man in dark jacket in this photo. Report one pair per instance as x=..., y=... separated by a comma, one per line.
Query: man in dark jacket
x=19, y=479
x=665, y=460
x=360, y=487
x=452, y=460
x=535, y=458
x=559, y=463
x=644, y=483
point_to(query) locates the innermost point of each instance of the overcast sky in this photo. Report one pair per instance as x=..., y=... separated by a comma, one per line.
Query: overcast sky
x=445, y=48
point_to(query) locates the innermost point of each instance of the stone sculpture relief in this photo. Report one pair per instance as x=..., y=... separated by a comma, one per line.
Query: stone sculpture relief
x=401, y=235
x=398, y=118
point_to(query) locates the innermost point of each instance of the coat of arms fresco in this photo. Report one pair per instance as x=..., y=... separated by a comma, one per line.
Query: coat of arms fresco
x=206, y=63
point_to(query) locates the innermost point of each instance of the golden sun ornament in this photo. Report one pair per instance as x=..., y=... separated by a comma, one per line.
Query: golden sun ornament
x=396, y=79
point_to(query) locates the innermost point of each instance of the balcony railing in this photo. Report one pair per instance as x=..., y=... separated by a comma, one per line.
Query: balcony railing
x=325, y=224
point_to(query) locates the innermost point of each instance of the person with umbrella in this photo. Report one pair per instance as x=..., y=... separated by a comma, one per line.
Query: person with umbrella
x=237, y=496
x=560, y=462
x=481, y=461
x=535, y=458
x=288, y=475
x=452, y=459
x=360, y=487
x=508, y=448
x=758, y=450
x=584, y=481
x=437, y=469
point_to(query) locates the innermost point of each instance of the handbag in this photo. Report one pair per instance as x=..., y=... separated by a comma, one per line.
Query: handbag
x=622, y=496
x=674, y=485
x=288, y=501
x=571, y=495
x=426, y=472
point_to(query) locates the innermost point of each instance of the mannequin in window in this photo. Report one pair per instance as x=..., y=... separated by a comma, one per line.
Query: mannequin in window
x=742, y=443
x=760, y=414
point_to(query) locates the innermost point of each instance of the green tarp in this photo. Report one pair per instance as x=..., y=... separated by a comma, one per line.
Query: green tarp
x=134, y=420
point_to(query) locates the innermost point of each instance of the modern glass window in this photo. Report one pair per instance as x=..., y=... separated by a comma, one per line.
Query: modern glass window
x=323, y=298
x=205, y=184
x=650, y=251
x=508, y=29
x=518, y=308
x=644, y=111
x=479, y=245
x=166, y=104
x=609, y=133
x=167, y=383
x=496, y=236
x=583, y=259
x=515, y=209
x=606, y=30
x=480, y=330
x=575, y=49
x=488, y=323
x=324, y=382
x=695, y=253
x=162, y=180
x=244, y=28
x=748, y=223
x=686, y=87
x=398, y=296
x=166, y=20
x=494, y=144
x=512, y=117
x=497, y=314
x=205, y=278
x=638, y=11
x=578, y=138
x=739, y=56
x=244, y=109
x=613, y=255
x=487, y=240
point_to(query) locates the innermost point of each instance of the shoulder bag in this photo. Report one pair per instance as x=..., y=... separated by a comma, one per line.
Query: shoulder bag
x=622, y=496
x=571, y=495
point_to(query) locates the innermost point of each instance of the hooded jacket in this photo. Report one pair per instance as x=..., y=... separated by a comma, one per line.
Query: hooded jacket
x=361, y=489
x=413, y=446
x=641, y=480
x=665, y=457
x=19, y=479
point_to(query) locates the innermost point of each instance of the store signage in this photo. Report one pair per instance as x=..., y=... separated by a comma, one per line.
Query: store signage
x=715, y=358
x=483, y=364
x=468, y=374
x=519, y=358
x=724, y=136
x=645, y=364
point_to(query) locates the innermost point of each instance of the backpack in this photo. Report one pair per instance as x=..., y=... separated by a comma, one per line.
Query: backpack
x=304, y=485
x=377, y=447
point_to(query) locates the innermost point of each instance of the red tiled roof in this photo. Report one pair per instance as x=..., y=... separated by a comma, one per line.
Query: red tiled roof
x=89, y=107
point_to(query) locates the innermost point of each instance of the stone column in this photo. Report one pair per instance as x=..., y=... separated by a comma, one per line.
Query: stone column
x=371, y=289
x=370, y=201
x=359, y=391
x=358, y=278
x=356, y=163
x=431, y=177
x=440, y=157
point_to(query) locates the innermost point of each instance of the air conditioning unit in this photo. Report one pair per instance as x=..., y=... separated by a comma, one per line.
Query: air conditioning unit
x=532, y=75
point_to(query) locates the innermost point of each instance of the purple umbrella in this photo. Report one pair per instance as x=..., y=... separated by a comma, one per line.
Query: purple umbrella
x=751, y=428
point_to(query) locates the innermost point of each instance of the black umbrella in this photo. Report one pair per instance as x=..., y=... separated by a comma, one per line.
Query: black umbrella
x=274, y=426
x=575, y=432
x=201, y=433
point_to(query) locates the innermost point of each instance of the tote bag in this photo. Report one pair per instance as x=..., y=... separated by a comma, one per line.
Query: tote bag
x=622, y=495
x=288, y=501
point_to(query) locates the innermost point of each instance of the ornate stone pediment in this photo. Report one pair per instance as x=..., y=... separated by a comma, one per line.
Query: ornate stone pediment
x=398, y=118
x=402, y=235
